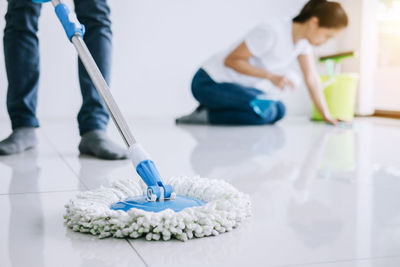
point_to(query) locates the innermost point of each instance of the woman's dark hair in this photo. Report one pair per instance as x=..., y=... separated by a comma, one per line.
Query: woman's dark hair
x=330, y=14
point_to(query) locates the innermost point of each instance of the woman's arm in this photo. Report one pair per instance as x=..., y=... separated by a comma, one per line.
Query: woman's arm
x=238, y=60
x=314, y=86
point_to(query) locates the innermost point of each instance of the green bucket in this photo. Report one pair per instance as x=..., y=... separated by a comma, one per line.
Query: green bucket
x=340, y=95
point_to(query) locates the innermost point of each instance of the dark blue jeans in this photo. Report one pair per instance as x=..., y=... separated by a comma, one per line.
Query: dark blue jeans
x=229, y=103
x=21, y=50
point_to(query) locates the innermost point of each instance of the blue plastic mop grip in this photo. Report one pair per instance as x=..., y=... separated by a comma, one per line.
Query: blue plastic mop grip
x=150, y=175
x=71, y=27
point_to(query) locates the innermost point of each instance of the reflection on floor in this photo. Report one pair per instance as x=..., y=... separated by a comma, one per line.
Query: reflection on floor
x=322, y=196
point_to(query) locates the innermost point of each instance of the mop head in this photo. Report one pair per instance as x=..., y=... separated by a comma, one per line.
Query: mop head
x=225, y=209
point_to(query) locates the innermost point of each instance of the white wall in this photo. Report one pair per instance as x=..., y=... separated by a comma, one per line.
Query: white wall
x=158, y=45
x=362, y=36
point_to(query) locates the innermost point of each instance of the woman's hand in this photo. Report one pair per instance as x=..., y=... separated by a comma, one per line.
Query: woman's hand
x=238, y=60
x=337, y=122
x=315, y=88
x=282, y=81
x=330, y=120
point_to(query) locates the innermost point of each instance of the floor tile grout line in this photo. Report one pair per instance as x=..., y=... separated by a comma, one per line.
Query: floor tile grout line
x=137, y=252
x=70, y=167
x=63, y=159
x=337, y=261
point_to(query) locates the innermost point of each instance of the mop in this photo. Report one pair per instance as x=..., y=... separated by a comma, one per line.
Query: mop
x=182, y=208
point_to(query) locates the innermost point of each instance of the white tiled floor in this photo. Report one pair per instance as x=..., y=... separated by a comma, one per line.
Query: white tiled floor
x=322, y=196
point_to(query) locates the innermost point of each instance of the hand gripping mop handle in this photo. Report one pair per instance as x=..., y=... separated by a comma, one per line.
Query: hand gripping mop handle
x=145, y=167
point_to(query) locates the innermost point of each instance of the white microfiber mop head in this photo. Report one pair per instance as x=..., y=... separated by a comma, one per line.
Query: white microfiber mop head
x=226, y=208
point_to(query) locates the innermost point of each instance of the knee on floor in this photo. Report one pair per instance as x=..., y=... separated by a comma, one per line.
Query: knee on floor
x=276, y=112
x=281, y=110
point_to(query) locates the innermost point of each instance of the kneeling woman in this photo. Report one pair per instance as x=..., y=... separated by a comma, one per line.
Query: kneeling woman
x=225, y=85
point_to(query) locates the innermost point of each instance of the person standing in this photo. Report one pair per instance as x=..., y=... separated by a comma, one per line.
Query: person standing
x=21, y=52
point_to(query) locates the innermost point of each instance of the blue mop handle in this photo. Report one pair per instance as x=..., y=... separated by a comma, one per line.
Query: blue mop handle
x=68, y=19
x=145, y=167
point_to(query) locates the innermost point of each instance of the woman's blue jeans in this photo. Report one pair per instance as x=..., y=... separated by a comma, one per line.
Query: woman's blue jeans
x=21, y=51
x=229, y=103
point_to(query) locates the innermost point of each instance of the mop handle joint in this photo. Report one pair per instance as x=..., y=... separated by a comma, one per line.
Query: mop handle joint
x=69, y=21
x=147, y=170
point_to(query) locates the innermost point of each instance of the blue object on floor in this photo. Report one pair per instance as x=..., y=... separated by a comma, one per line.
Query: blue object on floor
x=345, y=125
x=261, y=106
x=141, y=202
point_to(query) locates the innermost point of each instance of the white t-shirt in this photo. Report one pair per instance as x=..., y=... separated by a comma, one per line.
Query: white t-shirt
x=272, y=47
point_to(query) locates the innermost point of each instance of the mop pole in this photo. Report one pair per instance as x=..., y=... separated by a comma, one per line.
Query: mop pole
x=145, y=167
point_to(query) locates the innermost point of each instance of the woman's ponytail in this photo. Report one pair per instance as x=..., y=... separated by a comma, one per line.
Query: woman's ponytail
x=330, y=14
